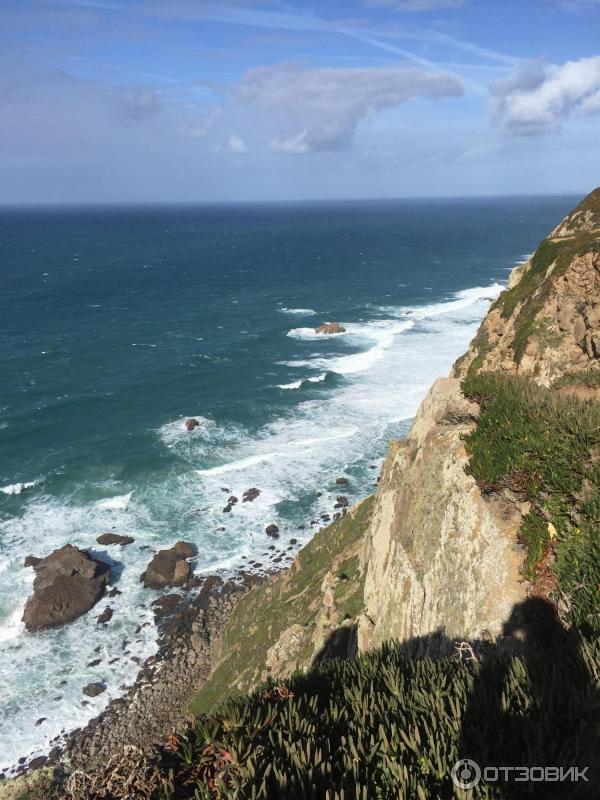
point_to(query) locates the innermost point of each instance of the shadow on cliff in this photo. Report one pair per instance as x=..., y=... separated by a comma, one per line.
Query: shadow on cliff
x=533, y=702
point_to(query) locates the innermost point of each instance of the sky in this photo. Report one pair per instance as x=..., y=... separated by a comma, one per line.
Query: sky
x=242, y=100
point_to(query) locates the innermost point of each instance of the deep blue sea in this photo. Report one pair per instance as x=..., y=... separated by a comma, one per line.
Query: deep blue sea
x=117, y=323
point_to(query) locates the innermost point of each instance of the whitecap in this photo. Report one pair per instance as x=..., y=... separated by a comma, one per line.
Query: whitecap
x=298, y=384
x=117, y=503
x=17, y=488
x=307, y=312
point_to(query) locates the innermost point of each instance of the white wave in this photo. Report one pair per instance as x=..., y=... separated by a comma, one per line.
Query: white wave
x=12, y=626
x=307, y=312
x=17, y=488
x=465, y=299
x=243, y=463
x=310, y=334
x=298, y=384
x=118, y=503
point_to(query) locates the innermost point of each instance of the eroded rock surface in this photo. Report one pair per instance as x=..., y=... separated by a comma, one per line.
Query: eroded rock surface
x=170, y=567
x=67, y=584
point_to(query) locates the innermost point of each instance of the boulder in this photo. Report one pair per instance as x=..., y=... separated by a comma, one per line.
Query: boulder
x=191, y=423
x=342, y=501
x=272, y=530
x=105, y=616
x=341, y=481
x=68, y=583
x=250, y=495
x=170, y=567
x=93, y=689
x=114, y=538
x=330, y=327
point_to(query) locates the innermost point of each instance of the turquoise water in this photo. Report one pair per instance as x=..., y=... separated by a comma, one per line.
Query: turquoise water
x=117, y=323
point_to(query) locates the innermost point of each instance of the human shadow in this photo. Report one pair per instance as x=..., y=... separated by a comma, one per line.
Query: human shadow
x=532, y=722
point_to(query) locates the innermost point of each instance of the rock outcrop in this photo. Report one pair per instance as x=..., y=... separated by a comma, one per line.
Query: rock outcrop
x=438, y=557
x=67, y=584
x=330, y=327
x=546, y=325
x=108, y=539
x=191, y=424
x=170, y=567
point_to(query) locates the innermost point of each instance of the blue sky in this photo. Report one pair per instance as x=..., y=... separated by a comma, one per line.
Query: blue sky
x=193, y=100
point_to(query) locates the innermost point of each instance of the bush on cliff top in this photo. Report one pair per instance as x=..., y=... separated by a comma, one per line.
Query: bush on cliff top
x=545, y=447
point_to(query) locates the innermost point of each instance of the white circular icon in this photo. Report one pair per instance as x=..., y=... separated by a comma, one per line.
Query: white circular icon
x=466, y=774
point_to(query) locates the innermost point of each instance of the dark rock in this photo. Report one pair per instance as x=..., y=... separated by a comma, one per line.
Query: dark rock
x=113, y=592
x=105, y=616
x=170, y=567
x=95, y=662
x=225, y=489
x=272, y=530
x=319, y=494
x=232, y=500
x=227, y=508
x=31, y=561
x=40, y=720
x=68, y=583
x=38, y=762
x=301, y=527
x=191, y=423
x=342, y=501
x=221, y=529
x=250, y=495
x=337, y=515
x=341, y=481
x=93, y=689
x=293, y=541
x=114, y=538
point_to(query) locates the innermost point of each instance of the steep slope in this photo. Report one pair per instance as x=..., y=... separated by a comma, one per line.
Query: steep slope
x=546, y=325
x=439, y=557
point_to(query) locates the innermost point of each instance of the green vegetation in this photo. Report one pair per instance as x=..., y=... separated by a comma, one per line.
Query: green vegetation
x=589, y=379
x=291, y=598
x=545, y=447
x=383, y=726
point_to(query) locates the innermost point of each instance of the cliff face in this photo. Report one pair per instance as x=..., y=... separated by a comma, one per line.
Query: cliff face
x=432, y=552
x=438, y=557
x=546, y=325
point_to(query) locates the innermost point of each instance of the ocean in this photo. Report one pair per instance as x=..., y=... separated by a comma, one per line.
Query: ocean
x=118, y=323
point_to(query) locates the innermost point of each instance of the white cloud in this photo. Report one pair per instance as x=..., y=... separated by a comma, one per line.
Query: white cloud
x=319, y=109
x=539, y=95
x=415, y=5
x=237, y=145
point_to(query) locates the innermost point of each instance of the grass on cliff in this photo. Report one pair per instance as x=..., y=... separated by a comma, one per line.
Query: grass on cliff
x=383, y=726
x=545, y=446
x=290, y=598
x=587, y=379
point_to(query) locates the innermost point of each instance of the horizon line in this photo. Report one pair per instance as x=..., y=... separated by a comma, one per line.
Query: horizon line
x=49, y=204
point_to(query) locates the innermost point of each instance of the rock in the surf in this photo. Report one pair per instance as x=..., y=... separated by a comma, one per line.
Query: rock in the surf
x=105, y=616
x=341, y=481
x=114, y=538
x=250, y=495
x=170, y=567
x=272, y=530
x=93, y=689
x=67, y=584
x=191, y=423
x=330, y=327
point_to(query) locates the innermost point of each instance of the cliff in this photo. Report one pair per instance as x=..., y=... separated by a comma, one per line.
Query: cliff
x=546, y=325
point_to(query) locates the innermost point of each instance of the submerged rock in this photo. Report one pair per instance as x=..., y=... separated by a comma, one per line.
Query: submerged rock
x=68, y=583
x=170, y=567
x=114, y=538
x=330, y=327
